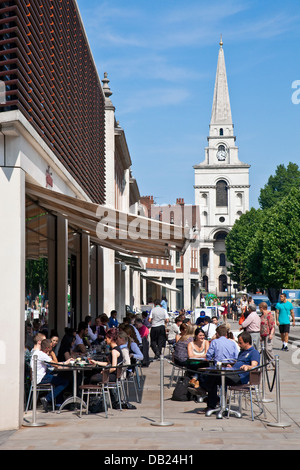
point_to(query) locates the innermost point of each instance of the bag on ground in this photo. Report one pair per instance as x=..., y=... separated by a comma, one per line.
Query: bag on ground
x=181, y=392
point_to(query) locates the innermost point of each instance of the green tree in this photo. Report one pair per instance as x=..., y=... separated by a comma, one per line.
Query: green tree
x=279, y=185
x=237, y=242
x=36, y=275
x=280, y=245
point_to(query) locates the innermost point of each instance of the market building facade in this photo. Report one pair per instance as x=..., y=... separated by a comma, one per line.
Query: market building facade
x=66, y=185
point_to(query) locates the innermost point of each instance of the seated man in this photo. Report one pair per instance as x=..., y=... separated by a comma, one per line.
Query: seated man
x=113, y=322
x=174, y=330
x=248, y=359
x=209, y=328
x=221, y=349
x=44, y=376
x=81, y=335
x=92, y=337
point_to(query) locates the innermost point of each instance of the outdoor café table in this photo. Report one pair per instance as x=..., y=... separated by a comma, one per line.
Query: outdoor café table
x=75, y=369
x=223, y=371
x=198, y=363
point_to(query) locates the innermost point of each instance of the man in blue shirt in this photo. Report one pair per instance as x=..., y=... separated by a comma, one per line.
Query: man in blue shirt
x=284, y=310
x=113, y=322
x=164, y=303
x=221, y=349
x=247, y=359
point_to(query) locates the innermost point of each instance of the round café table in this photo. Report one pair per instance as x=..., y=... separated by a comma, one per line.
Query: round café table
x=75, y=369
x=223, y=372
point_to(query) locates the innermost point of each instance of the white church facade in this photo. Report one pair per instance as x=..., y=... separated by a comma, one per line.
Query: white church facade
x=221, y=188
x=221, y=197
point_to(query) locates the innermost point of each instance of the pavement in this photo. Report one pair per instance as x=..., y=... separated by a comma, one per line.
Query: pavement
x=128, y=431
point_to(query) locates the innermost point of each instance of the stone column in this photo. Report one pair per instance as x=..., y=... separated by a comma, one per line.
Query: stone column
x=109, y=269
x=51, y=232
x=85, y=275
x=211, y=279
x=96, y=281
x=62, y=274
x=187, y=279
x=173, y=294
x=12, y=296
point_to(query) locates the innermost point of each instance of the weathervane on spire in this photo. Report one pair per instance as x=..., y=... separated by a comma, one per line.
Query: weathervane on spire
x=221, y=41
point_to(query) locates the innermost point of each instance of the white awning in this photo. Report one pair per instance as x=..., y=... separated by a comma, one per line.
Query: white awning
x=160, y=283
x=127, y=233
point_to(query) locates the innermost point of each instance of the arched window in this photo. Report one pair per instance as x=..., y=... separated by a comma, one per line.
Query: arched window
x=220, y=236
x=223, y=283
x=222, y=194
x=222, y=260
x=221, y=132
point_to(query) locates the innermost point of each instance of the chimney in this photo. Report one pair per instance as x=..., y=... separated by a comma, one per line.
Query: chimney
x=180, y=201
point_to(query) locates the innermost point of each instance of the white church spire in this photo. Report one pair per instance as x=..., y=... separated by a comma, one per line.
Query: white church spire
x=221, y=110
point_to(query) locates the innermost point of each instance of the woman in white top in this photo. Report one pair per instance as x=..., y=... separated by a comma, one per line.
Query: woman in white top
x=199, y=346
x=197, y=349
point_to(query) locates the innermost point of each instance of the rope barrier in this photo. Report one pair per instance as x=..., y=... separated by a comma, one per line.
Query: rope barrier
x=212, y=371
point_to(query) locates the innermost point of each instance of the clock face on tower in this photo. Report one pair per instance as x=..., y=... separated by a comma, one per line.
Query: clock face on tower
x=221, y=153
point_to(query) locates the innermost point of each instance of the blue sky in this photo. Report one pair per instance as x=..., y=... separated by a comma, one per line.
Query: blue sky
x=161, y=59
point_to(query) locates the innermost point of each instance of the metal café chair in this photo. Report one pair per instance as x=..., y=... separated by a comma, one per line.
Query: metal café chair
x=131, y=377
x=41, y=388
x=102, y=390
x=175, y=374
x=248, y=389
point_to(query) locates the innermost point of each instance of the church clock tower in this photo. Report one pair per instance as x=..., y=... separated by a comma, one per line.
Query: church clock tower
x=221, y=187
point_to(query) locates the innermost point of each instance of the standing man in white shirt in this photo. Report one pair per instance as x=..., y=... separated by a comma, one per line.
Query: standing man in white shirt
x=159, y=319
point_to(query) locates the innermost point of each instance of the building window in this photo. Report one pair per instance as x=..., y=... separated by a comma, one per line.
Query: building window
x=221, y=236
x=222, y=259
x=222, y=194
x=205, y=260
x=221, y=132
x=223, y=283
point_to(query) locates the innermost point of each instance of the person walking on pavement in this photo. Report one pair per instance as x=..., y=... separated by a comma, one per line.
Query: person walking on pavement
x=158, y=318
x=284, y=309
x=267, y=329
x=252, y=325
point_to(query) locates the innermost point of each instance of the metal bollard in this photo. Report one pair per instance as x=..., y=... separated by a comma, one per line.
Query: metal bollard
x=278, y=424
x=34, y=398
x=162, y=422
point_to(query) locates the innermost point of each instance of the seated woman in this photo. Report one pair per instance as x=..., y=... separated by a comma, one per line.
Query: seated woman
x=197, y=349
x=66, y=346
x=134, y=350
x=180, y=355
x=54, y=338
x=114, y=357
